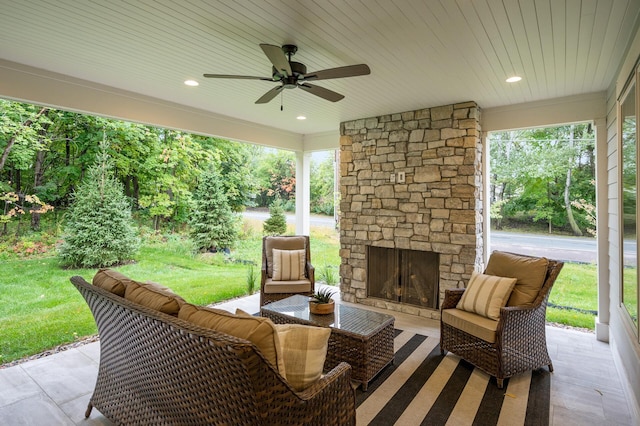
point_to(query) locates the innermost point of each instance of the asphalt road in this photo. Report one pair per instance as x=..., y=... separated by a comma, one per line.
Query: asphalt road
x=314, y=220
x=573, y=249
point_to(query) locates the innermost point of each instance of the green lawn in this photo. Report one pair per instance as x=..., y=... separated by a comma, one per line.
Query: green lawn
x=40, y=308
x=576, y=287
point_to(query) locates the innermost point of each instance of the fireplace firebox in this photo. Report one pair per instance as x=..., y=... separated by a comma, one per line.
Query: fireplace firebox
x=403, y=276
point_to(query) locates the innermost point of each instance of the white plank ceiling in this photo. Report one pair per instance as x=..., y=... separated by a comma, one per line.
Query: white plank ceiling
x=422, y=53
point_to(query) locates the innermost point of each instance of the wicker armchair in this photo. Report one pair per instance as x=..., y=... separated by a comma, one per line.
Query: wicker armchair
x=272, y=290
x=519, y=341
x=158, y=369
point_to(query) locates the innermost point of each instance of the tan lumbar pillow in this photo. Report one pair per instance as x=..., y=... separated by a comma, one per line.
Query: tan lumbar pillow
x=530, y=273
x=288, y=265
x=486, y=294
x=304, y=349
x=258, y=330
x=112, y=281
x=154, y=296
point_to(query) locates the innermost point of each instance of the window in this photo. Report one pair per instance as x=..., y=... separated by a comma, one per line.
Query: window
x=628, y=131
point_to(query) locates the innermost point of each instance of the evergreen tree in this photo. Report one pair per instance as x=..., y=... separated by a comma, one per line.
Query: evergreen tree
x=213, y=224
x=99, y=231
x=277, y=222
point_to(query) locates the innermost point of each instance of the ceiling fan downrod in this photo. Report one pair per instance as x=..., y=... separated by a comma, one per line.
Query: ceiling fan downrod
x=289, y=50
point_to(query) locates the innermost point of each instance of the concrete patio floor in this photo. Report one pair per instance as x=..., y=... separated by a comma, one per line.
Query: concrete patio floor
x=585, y=387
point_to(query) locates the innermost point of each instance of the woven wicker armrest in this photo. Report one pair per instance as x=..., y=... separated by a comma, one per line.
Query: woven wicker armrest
x=263, y=275
x=522, y=323
x=329, y=382
x=451, y=298
x=517, y=316
x=280, y=406
x=311, y=272
x=333, y=390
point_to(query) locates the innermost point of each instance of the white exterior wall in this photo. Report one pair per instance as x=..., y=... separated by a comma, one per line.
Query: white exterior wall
x=624, y=342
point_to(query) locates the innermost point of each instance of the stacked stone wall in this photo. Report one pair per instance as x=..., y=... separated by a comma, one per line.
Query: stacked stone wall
x=437, y=208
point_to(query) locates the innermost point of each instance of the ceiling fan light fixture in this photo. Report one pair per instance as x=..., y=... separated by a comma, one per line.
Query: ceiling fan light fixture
x=513, y=79
x=191, y=83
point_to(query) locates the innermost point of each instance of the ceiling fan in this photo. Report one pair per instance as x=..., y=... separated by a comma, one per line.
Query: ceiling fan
x=293, y=75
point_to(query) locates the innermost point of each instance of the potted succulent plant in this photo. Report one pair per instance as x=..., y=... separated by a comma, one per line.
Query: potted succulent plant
x=321, y=302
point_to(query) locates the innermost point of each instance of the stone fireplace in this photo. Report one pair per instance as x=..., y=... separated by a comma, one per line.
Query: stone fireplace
x=411, y=194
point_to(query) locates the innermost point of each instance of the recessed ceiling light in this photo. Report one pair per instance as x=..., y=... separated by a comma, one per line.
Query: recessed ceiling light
x=513, y=79
x=191, y=83
x=301, y=117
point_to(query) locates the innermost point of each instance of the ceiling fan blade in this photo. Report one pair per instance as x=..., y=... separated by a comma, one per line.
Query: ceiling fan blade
x=327, y=94
x=239, y=77
x=270, y=95
x=340, y=72
x=277, y=58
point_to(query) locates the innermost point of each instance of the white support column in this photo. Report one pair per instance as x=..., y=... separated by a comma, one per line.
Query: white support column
x=602, y=320
x=486, y=207
x=303, y=192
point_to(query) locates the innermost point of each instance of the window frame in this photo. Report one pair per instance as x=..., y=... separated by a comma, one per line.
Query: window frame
x=633, y=90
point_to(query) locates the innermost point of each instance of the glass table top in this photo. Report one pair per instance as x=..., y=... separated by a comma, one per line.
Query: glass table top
x=347, y=318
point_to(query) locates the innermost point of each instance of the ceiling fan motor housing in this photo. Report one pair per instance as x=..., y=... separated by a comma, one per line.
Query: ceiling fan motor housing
x=290, y=82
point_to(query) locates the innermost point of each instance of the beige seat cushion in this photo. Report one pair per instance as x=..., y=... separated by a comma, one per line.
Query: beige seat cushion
x=112, y=281
x=530, y=273
x=298, y=286
x=304, y=349
x=281, y=243
x=482, y=327
x=154, y=296
x=486, y=294
x=259, y=331
x=288, y=265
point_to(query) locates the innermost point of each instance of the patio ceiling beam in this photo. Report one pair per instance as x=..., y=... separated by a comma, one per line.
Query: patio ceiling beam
x=37, y=86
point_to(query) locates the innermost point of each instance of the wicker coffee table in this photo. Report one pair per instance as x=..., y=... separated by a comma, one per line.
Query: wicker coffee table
x=360, y=337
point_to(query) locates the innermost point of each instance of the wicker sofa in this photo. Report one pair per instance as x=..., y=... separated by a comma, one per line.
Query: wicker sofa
x=158, y=369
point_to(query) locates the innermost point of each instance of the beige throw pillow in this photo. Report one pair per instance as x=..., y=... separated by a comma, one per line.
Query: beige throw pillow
x=154, y=296
x=112, y=281
x=288, y=265
x=486, y=294
x=304, y=349
x=530, y=273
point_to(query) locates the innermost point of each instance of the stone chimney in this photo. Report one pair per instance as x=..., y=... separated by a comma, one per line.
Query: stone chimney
x=412, y=181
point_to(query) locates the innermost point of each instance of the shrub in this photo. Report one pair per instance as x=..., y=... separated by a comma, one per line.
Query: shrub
x=277, y=222
x=213, y=225
x=328, y=274
x=252, y=277
x=100, y=231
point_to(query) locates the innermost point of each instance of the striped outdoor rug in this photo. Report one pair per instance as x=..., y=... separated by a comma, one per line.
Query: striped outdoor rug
x=424, y=388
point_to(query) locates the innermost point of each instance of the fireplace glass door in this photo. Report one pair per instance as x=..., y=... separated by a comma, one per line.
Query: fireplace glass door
x=403, y=276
